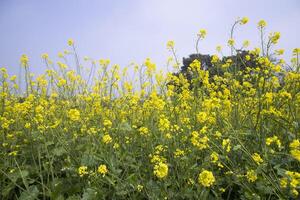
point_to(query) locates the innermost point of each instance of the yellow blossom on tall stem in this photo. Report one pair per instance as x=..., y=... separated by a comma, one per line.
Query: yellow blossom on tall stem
x=214, y=123
x=262, y=24
x=231, y=42
x=244, y=20
x=202, y=33
x=279, y=51
x=70, y=42
x=274, y=37
x=170, y=44
x=219, y=48
x=24, y=60
x=296, y=51
x=45, y=56
x=246, y=43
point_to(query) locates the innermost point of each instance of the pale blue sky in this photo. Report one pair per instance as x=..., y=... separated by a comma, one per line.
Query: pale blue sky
x=131, y=30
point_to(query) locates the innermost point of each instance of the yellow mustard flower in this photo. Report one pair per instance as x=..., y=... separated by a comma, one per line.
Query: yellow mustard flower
x=27, y=125
x=244, y=20
x=296, y=154
x=214, y=157
x=161, y=170
x=295, y=144
x=215, y=59
x=178, y=153
x=74, y=114
x=247, y=57
x=246, y=43
x=102, y=169
x=226, y=144
x=13, y=153
x=106, y=139
x=219, y=48
x=279, y=51
x=70, y=42
x=144, y=131
x=170, y=44
x=251, y=175
x=24, y=60
x=202, y=33
x=202, y=117
x=139, y=188
x=283, y=182
x=262, y=24
x=295, y=149
x=274, y=37
x=107, y=123
x=82, y=170
x=231, y=42
x=296, y=51
x=256, y=157
x=206, y=178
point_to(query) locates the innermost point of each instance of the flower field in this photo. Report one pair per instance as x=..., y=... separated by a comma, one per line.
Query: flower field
x=139, y=133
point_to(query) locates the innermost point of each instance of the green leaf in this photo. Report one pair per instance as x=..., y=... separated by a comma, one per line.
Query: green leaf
x=237, y=147
x=74, y=197
x=24, y=173
x=49, y=143
x=7, y=189
x=89, y=194
x=31, y=194
x=88, y=159
x=59, y=151
x=124, y=126
x=110, y=180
